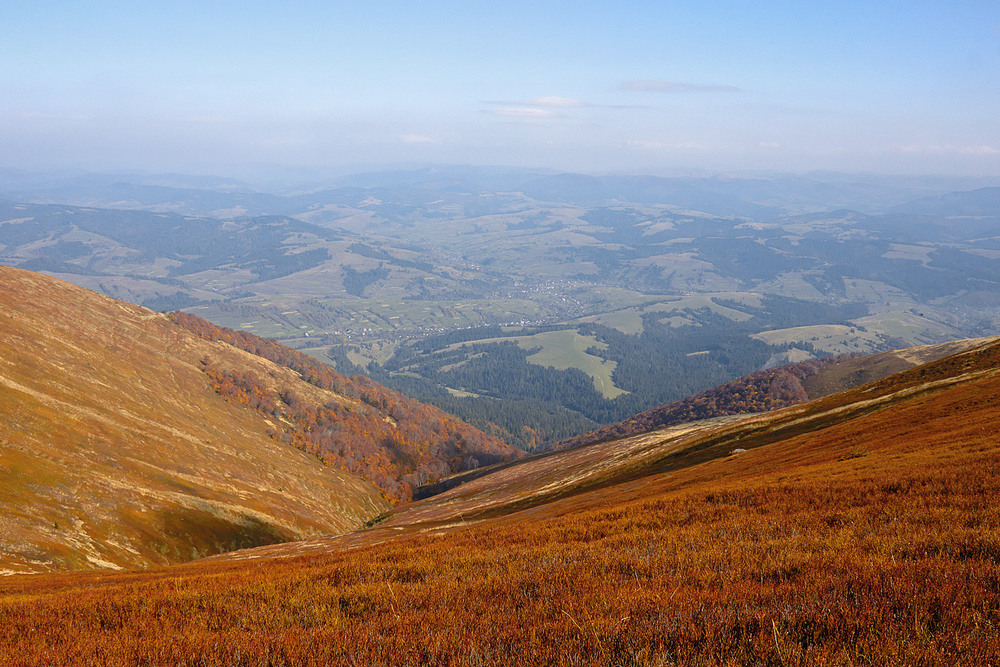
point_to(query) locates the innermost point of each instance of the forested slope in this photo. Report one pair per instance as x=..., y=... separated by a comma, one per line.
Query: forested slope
x=392, y=440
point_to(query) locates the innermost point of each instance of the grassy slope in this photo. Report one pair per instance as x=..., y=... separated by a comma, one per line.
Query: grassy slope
x=857, y=529
x=116, y=452
x=869, y=368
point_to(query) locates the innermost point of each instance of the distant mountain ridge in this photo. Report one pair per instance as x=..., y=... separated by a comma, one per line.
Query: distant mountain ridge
x=982, y=202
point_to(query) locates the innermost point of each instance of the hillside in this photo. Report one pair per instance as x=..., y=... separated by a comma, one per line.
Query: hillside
x=394, y=441
x=775, y=388
x=660, y=288
x=858, y=528
x=124, y=442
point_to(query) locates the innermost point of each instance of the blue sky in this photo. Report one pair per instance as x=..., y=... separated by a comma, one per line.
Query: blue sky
x=885, y=86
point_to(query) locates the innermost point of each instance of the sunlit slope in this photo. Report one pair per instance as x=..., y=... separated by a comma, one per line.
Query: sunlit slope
x=115, y=450
x=860, y=528
x=856, y=371
x=920, y=413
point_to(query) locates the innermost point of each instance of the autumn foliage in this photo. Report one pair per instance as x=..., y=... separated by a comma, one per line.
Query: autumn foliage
x=393, y=441
x=888, y=556
x=762, y=391
x=864, y=530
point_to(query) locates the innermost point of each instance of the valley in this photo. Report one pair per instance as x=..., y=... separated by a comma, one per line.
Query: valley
x=475, y=334
x=808, y=535
x=368, y=272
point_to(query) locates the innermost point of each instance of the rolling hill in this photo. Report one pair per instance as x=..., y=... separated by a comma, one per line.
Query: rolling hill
x=129, y=440
x=859, y=527
x=361, y=272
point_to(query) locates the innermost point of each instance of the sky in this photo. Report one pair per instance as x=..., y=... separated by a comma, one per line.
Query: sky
x=632, y=86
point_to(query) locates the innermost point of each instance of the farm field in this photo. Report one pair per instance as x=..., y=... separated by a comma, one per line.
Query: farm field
x=828, y=338
x=561, y=350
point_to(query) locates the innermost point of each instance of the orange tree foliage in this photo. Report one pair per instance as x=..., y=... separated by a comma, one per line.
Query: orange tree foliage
x=393, y=441
x=762, y=391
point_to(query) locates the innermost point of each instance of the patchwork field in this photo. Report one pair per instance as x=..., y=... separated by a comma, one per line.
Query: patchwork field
x=828, y=338
x=677, y=311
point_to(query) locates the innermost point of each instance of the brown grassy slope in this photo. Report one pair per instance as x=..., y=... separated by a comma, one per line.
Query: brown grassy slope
x=863, y=529
x=587, y=476
x=115, y=451
x=856, y=371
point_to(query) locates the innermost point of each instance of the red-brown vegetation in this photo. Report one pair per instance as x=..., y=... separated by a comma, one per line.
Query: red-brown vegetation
x=861, y=529
x=762, y=391
x=391, y=440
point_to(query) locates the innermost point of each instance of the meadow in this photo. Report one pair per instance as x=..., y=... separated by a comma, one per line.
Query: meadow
x=871, y=536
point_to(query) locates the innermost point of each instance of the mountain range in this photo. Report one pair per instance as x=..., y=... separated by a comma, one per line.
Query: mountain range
x=535, y=305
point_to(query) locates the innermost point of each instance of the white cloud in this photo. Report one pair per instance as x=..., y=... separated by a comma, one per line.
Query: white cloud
x=554, y=101
x=417, y=139
x=675, y=87
x=525, y=112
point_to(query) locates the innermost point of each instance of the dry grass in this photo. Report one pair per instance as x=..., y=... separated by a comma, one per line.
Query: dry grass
x=115, y=451
x=795, y=552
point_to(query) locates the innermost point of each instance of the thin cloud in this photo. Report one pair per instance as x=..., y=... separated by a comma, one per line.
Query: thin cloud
x=525, y=112
x=643, y=145
x=556, y=102
x=546, y=102
x=548, y=110
x=417, y=139
x=675, y=87
x=954, y=150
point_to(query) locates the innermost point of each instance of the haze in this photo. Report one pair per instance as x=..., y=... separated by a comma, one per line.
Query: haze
x=223, y=87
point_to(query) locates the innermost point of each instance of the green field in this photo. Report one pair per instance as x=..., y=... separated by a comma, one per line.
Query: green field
x=831, y=338
x=567, y=349
x=912, y=327
x=629, y=320
x=563, y=350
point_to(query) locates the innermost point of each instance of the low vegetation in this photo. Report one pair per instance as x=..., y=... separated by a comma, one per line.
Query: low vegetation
x=796, y=551
x=116, y=452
